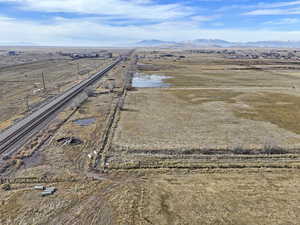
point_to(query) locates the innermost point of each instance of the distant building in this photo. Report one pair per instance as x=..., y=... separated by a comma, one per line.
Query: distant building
x=109, y=55
x=103, y=55
x=11, y=53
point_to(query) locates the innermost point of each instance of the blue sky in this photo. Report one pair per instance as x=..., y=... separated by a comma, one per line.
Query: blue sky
x=119, y=22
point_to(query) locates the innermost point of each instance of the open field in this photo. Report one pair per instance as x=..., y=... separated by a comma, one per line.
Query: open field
x=212, y=198
x=61, y=157
x=212, y=104
x=90, y=193
x=189, y=119
x=177, y=197
x=202, y=70
x=219, y=145
x=22, y=84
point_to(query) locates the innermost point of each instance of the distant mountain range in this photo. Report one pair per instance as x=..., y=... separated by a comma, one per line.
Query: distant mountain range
x=194, y=43
x=155, y=43
x=17, y=44
x=219, y=43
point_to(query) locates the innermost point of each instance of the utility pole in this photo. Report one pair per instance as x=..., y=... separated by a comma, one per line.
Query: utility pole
x=27, y=103
x=78, y=71
x=44, y=84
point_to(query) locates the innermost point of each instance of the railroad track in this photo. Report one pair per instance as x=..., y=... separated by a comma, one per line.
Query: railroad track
x=19, y=133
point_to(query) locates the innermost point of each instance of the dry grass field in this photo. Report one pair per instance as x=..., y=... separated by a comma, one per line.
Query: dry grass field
x=222, y=197
x=60, y=158
x=213, y=103
x=161, y=197
x=180, y=119
x=21, y=78
x=22, y=81
x=219, y=145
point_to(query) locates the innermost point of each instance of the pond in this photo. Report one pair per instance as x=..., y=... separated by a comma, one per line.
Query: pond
x=149, y=81
x=85, y=122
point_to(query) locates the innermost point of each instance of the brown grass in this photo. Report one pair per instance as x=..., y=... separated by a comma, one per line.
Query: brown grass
x=280, y=109
x=203, y=96
x=215, y=71
x=160, y=129
x=19, y=81
x=228, y=197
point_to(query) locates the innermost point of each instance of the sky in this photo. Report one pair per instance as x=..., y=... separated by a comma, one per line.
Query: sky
x=123, y=22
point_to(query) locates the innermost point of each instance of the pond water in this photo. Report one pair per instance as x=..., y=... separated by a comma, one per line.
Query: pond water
x=150, y=81
x=85, y=122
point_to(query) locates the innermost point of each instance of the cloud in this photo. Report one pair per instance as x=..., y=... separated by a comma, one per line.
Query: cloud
x=276, y=8
x=77, y=32
x=278, y=4
x=269, y=12
x=218, y=24
x=119, y=22
x=285, y=21
x=262, y=8
x=203, y=18
x=5, y=18
x=138, y=9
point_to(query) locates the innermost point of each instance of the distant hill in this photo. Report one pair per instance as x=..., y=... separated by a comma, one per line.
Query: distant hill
x=282, y=44
x=17, y=44
x=211, y=42
x=220, y=43
x=154, y=43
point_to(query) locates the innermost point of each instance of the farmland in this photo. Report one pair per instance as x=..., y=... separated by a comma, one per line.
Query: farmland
x=212, y=140
x=212, y=107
